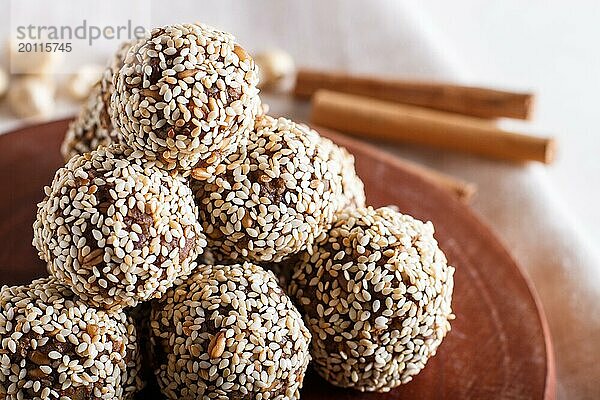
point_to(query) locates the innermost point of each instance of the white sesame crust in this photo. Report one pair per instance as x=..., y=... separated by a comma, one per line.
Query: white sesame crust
x=229, y=332
x=117, y=229
x=353, y=188
x=272, y=197
x=54, y=346
x=93, y=127
x=376, y=296
x=186, y=96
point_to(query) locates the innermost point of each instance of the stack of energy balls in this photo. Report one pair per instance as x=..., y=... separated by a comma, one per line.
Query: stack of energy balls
x=179, y=200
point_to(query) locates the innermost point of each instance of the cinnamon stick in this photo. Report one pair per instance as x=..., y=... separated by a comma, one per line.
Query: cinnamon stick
x=377, y=119
x=468, y=100
x=461, y=189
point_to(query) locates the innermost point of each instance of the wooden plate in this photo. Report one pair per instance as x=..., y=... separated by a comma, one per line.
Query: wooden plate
x=498, y=347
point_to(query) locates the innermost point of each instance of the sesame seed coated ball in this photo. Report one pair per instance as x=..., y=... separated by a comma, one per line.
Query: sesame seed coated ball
x=93, y=126
x=54, y=346
x=117, y=229
x=376, y=297
x=186, y=96
x=273, y=196
x=353, y=189
x=229, y=332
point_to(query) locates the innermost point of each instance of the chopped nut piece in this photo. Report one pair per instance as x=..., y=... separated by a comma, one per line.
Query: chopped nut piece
x=217, y=345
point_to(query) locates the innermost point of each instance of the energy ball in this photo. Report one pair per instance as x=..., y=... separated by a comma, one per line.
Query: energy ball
x=54, y=346
x=117, y=229
x=274, y=196
x=186, y=96
x=93, y=126
x=376, y=296
x=229, y=332
x=353, y=189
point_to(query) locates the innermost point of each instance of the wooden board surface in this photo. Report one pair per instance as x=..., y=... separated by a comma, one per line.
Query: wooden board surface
x=499, y=346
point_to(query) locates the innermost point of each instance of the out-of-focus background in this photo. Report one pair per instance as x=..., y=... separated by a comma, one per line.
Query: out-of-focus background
x=549, y=47
x=547, y=215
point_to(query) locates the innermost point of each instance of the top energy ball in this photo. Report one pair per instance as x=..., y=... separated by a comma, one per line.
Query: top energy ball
x=186, y=96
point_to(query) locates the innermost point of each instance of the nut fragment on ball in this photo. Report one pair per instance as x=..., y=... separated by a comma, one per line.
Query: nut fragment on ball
x=31, y=96
x=186, y=96
x=117, y=229
x=272, y=197
x=93, y=126
x=376, y=296
x=54, y=346
x=229, y=332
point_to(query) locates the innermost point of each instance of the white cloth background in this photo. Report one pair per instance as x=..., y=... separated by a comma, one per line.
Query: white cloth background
x=397, y=38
